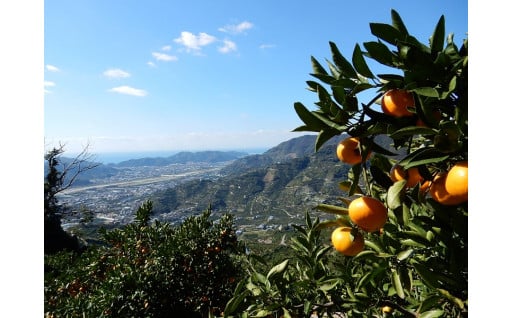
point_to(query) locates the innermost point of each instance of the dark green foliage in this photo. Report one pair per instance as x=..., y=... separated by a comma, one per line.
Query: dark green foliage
x=148, y=269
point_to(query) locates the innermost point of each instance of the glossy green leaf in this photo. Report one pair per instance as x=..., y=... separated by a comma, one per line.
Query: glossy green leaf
x=397, y=22
x=341, y=62
x=395, y=193
x=333, y=209
x=397, y=284
x=379, y=52
x=411, y=131
x=323, y=136
x=278, y=269
x=386, y=32
x=404, y=254
x=312, y=122
x=437, y=38
x=426, y=91
x=360, y=64
x=317, y=67
x=432, y=313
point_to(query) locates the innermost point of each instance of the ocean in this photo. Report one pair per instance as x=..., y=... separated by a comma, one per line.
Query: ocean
x=117, y=157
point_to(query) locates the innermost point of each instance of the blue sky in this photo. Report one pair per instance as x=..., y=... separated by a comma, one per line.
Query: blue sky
x=200, y=75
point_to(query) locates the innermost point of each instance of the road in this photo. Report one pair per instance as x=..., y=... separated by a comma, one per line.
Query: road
x=141, y=181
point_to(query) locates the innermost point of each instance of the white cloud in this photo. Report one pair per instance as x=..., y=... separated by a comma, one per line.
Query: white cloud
x=48, y=84
x=127, y=90
x=52, y=68
x=267, y=46
x=166, y=48
x=164, y=57
x=229, y=46
x=237, y=28
x=116, y=73
x=151, y=64
x=194, y=42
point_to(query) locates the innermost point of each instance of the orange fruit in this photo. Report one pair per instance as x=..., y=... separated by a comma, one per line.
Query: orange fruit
x=457, y=180
x=395, y=103
x=412, y=175
x=440, y=194
x=348, y=151
x=387, y=309
x=437, y=115
x=368, y=213
x=346, y=242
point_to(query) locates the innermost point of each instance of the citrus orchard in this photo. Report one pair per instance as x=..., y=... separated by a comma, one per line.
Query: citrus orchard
x=347, y=241
x=368, y=213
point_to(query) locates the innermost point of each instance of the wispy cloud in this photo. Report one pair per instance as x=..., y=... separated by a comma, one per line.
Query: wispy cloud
x=237, y=28
x=151, y=64
x=127, y=90
x=166, y=48
x=52, y=68
x=228, y=46
x=194, y=43
x=164, y=57
x=48, y=84
x=116, y=73
x=267, y=46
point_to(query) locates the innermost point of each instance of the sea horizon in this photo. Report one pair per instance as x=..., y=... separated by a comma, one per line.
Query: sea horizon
x=120, y=156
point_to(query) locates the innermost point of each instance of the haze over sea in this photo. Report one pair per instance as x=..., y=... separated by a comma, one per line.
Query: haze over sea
x=116, y=157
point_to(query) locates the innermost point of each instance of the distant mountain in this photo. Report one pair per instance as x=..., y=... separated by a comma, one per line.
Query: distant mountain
x=291, y=149
x=184, y=157
x=288, y=178
x=83, y=179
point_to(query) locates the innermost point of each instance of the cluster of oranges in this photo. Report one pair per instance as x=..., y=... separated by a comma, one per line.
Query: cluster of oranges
x=370, y=214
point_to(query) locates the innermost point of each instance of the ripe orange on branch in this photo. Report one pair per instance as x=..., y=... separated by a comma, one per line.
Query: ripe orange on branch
x=457, y=180
x=348, y=151
x=441, y=195
x=368, y=213
x=395, y=103
x=347, y=241
x=412, y=175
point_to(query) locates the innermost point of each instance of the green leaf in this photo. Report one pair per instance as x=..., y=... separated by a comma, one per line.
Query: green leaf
x=379, y=52
x=411, y=131
x=432, y=313
x=395, y=193
x=311, y=121
x=341, y=62
x=325, y=135
x=423, y=156
x=404, y=254
x=397, y=22
x=329, y=284
x=360, y=64
x=428, y=277
x=333, y=209
x=426, y=91
x=233, y=303
x=397, y=284
x=278, y=269
x=437, y=38
x=386, y=32
x=317, y=67
x=328, y=122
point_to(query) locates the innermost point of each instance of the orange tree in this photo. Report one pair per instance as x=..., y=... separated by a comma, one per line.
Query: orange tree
x=148, y=269
x=410, y=124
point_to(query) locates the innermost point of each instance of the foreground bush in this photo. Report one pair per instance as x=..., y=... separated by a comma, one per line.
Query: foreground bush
x=147, y=270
